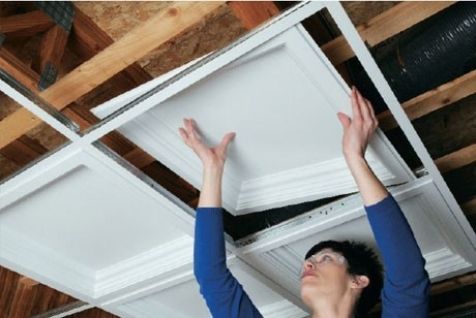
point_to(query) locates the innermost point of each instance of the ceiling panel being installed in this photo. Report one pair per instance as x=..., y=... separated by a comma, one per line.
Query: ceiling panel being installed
x=281, y=99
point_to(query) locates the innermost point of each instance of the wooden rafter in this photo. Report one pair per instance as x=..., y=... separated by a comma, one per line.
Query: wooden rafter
x=52, y=48
x=453, y=283
x=434, y=99
x=457, y=159
x=115, y=58
x=253, y=13
x=384, y=26
x=30, y=149
x=25, y=25
x=27, y=281
x=88, y=39
x=469, y=208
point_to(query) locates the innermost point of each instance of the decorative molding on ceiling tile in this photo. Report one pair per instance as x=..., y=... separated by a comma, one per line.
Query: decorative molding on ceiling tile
x=161, y=260
x=329, y=178
x=44, y=264
x=444, y=261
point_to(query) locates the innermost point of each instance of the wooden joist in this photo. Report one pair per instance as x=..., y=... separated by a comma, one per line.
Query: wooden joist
x=469, y=208
x=115, y=58
x=384, y=26
x=457, y=159
x=432, y=100
x=88, y=39
x=52, y=48
x=453, y=283
x=27, y=281
x=25, y=25
x=253, y=13
x=24, y=150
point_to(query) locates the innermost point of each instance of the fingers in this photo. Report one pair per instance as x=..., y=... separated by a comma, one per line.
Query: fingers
x=344, y=120
x=356, y=113
x=223, y=146
x=184, y=136
x=364, y=108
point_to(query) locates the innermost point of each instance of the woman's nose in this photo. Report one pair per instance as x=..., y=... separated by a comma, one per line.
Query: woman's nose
x=308, y=265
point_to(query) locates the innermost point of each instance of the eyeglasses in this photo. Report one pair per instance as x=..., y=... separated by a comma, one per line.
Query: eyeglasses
x=326, y=257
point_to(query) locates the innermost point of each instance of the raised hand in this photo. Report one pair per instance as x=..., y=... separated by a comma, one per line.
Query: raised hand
x=357, y=133
x=213, y=160
x=359, y=129
x=211, y=157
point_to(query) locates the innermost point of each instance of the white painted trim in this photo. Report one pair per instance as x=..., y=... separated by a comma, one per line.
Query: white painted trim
x=38, y=111
x=361, y=51
x=164, y=259
x=329, y=178
x=26, y=257
x=443, y=261
x=73, y=311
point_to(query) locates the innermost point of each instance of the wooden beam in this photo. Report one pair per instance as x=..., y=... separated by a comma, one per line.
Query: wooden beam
x=52, y=48
x=23, y=151
x=393, y=21
x=139, y=158
x=432, y=100
x=469, y=208
x=116, y=57
x=88, y=39
x=27, y=281
x=457, y=159
x=253, y=13
x=453, y=283
x=17, y=69
x=26, y=24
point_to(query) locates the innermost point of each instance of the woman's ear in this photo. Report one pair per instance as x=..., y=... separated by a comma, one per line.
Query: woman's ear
x=360, y=281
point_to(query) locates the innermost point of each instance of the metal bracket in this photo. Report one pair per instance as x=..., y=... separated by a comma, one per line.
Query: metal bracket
x=61, y=12
x=48, y=76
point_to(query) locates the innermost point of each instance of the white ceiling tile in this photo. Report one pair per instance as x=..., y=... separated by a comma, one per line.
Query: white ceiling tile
x=281, y=99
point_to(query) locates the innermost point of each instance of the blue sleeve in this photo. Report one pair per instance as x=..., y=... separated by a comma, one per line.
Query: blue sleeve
x=406, y=284
x=223, y=294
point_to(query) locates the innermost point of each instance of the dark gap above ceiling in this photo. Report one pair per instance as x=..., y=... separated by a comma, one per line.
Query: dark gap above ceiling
x=240, y=226
x=462, y=182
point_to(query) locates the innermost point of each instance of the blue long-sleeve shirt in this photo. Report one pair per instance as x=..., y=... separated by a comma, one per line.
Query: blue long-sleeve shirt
x=406, y=284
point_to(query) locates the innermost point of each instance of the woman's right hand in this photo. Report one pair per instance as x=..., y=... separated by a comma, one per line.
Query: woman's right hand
x=211, y=157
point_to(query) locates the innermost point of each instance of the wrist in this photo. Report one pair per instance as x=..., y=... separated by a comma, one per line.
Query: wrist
x=213, y=170
x=356, y=161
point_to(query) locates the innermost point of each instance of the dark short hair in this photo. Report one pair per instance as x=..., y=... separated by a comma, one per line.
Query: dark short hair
x=361, y=260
